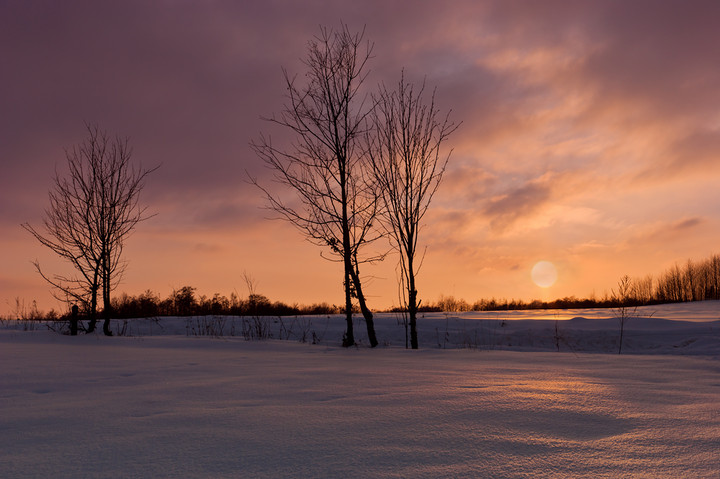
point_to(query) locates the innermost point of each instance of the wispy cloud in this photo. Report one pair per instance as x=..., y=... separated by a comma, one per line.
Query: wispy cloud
x=518, y=203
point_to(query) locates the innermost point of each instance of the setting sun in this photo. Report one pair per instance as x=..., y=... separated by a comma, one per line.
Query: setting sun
x=544, y=274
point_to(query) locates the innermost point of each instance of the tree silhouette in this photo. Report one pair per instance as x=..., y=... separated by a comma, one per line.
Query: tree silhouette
x=404, y=147
x=92, y=211
x=335, y=206
x=624, y=308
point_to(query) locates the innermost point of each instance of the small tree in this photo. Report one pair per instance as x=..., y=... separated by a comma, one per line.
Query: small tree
x=407, y=166
x=336, y=207
x=91, y=214
x=624, y=308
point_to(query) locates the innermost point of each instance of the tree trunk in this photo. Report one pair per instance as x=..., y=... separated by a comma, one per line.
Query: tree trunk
x=367, y=314
x=93, y=306
x=412, y=306
x=107, y=308
x=106, y=327
x=349, y=336
x=74, y=321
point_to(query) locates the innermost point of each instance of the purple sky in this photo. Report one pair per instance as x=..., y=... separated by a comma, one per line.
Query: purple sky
x=590, y=137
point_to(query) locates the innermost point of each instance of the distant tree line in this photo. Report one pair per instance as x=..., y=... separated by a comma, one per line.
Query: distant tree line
x=453, y=304
x=693, y=281
x=185, y=302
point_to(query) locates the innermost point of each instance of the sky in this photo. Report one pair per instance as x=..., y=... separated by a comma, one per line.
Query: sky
x=590, y=138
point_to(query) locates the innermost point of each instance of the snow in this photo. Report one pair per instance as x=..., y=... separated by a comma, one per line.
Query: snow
x=168, y=402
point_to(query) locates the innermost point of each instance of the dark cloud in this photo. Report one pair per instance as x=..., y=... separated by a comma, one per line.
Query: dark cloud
x=686, y=224
x=517, y=204
x=187, y=84
x=657, y=53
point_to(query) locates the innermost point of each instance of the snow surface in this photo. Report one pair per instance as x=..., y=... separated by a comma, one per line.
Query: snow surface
x=486, y=396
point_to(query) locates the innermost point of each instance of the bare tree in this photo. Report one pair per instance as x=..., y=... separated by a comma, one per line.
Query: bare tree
x=642, y=289
x=407, y=166
x=92, y=211
x=624, y=309
x=713, y=265
x=324, y=166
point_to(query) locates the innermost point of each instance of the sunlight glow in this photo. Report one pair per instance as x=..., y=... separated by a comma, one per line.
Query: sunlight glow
x=544, y=274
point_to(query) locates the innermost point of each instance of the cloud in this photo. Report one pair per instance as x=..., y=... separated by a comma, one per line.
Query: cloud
x=209, y=248
x=517, y=204
x=683, y=225
x=696, y=153
x=652, y=234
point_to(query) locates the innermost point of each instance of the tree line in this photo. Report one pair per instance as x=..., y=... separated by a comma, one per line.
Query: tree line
x=691, y=281
x=186, y=302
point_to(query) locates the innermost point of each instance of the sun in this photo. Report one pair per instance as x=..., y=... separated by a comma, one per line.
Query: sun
x=544, y=274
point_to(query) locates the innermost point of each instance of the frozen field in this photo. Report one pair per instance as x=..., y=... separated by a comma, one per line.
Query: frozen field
x=167, y=402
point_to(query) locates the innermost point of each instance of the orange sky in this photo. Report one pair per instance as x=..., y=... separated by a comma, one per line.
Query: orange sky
x=590, y=138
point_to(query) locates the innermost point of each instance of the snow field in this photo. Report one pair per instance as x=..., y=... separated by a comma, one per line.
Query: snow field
x=200, y=407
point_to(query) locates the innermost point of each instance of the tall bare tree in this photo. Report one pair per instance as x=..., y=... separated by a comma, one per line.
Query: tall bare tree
x=92, y=211
x=335, y=206
x=407, y=166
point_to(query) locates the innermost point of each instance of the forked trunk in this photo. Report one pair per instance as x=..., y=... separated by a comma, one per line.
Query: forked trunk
x=349, y=337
